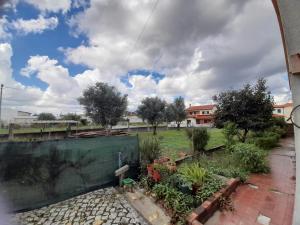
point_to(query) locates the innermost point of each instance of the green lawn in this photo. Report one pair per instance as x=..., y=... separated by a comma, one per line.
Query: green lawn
x=173, y=141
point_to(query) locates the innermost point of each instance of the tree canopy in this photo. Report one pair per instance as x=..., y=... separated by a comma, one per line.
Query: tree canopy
x=153, y=111
x=176, y=111
x=71, y=116
x=46, y=116
x=250, y=108
x=104, y=104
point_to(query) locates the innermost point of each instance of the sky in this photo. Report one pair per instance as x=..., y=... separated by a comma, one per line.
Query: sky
x=50, y=51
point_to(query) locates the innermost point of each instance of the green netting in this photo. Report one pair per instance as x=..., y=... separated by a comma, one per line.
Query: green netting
x=35, y=174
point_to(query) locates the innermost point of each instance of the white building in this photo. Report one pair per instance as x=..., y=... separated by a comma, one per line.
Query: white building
x=283, y=111
x=9, y=115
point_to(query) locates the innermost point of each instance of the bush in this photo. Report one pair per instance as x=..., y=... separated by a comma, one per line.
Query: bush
x=150, y=149
x=211, y=186
x=189, y=133
x=200, y=138
x=230, y=131
x=266, y=140
x=174, y=199
x=229, y=172
x=193, y=173
x=250, y=157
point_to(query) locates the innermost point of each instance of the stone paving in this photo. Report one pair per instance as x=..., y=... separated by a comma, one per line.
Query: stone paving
x=101, y=207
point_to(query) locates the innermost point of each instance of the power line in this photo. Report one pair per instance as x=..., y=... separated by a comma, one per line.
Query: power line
x=142, y=31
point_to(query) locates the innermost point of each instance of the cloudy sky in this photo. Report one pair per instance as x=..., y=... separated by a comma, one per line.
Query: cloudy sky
x=52, y=50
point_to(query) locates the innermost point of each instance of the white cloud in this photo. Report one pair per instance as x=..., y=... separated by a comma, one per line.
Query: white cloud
x=202, y=50
x=38, y=25
x=50, y=5
x=203, y=47
x=4, y=34
x=14, y=93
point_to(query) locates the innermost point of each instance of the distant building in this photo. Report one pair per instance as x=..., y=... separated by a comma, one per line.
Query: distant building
x=133, y=117
x=200, y=116
x=283, y=111
x=9, y=115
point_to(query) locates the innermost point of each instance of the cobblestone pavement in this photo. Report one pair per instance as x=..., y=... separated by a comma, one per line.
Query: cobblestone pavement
x=101, y=207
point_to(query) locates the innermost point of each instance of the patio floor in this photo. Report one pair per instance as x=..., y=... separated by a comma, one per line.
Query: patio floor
x=266, y=199
x=101, y=207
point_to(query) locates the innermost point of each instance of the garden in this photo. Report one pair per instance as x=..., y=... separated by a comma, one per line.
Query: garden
x=180, y=183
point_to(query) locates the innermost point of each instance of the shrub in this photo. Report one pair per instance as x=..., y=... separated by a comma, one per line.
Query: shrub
x=266, y=140
x=250, y=157
x=146, y=182
x=193, y=173
x=230, y=131
x=189, y=133
x=229, y=172
x=208, y=188
x=150, y=149
x=163, y=170
x=174, y=199
x=200, y=138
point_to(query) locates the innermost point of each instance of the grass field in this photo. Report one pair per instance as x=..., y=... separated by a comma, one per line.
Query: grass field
x=173, y=141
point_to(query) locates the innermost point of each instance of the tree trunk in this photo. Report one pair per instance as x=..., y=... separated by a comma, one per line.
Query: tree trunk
x=154, y=129
x=178, y=126
x=244, y=135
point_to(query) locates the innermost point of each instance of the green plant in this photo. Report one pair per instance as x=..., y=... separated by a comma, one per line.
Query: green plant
x=163, y=170
x=173, y=199
x=193, y=173
x=267, y=139
x=230, y=172
x=209, y=187
x=230, y=131
x=250, y=157
x=200, y=138
x=146, y=182
x=189, y=133
x=150, y=149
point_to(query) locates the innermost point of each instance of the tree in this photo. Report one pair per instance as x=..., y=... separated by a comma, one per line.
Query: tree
x=104, y=104
x=152, y=110
x=250, y=108
x=71, y=116
x=170, y=113
x=176, y=111
x=179, y=109
x=46, y=116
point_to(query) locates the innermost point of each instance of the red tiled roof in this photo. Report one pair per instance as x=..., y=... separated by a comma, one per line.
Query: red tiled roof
x=200, y=107
x=283, y=105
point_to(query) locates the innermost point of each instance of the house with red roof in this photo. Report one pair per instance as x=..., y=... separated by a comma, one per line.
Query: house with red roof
x=283, y=111
x=200, y=116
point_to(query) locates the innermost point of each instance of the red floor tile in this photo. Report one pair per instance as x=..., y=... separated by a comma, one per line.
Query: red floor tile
x=274, y=197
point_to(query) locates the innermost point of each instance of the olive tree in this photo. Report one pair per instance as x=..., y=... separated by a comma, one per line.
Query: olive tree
x=153, y=111
x=104, y=104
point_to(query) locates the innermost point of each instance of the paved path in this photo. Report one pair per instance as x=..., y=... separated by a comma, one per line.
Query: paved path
x=268, y=199
x=101, y=207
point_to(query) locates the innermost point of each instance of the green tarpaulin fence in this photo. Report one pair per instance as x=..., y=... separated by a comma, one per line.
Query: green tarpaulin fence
x=34, y=174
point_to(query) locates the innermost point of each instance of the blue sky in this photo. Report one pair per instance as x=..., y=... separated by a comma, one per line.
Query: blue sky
x=46, y=43
x=52, y=50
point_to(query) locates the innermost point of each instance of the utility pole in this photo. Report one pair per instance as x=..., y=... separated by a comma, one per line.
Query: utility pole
x=1, y=102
